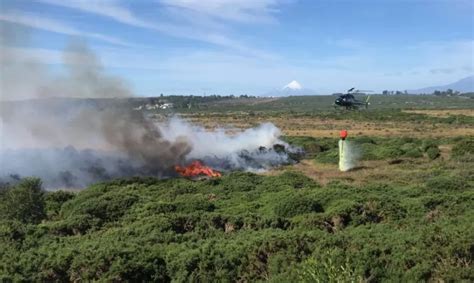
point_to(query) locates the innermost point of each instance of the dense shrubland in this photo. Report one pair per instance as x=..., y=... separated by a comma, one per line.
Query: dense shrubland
x=384, y=148
x=241, y=227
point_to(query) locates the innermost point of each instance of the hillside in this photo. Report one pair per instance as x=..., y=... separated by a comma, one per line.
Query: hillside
x=463, y=85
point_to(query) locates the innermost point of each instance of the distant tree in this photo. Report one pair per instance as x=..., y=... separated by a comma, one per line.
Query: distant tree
x=385, y=92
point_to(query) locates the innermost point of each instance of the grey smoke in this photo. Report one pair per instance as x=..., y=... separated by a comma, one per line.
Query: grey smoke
x=48, y=121
x=77, y=128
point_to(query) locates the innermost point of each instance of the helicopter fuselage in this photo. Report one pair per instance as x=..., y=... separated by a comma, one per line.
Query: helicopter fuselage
x=348, y=101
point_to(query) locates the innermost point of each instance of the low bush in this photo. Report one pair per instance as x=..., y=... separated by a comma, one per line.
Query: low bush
x=433, y=152
x=446, y=184
x=24, y=202
x=55, y=200
x=295, y=205
x=387, y=152
x=327, y=267
x=330, y=156
x=463, y=150
x=413, y=153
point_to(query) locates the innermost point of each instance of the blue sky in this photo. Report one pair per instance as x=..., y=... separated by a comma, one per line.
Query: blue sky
x=253, y=46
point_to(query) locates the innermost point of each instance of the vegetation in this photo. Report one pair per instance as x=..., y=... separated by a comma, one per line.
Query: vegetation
x=407, y=215
x=463, y=150
x=24, y=203
x=323, y=103
x=368, y=148
x=241, y=227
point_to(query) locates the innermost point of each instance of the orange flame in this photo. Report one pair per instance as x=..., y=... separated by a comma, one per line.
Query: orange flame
x=196, y=169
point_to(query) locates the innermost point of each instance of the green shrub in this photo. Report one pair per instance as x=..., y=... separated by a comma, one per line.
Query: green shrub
x=433, y=152
x=375, y=211
x=386, y=152
x=55, y=200
x=413, y=153
x=327, y=268
x=295, y=205
x=330, y=156
x=463, y=150
x=427, y=144
x=240, y=181
x=75, y=225
x=408, y=146
x=12, y=230
x=107, y=207
x=191, y=205
x=446, y=184
x=296, y=180
x=24, y=202
x=161, y=207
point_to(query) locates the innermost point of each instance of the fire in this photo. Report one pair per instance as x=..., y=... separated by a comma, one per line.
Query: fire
x=196, y=169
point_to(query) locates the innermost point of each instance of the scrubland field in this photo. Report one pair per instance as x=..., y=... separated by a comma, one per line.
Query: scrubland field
x=404, y=214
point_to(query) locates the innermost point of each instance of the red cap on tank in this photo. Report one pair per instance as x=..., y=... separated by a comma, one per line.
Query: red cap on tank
x=343, y=134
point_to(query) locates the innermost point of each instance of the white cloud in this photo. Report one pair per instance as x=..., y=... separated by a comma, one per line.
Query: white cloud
x=183, y=29
x=51, y=25
x=232, y=10
x=109, y=9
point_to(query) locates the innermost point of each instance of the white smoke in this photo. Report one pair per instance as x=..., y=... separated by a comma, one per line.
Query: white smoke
x=251, y=149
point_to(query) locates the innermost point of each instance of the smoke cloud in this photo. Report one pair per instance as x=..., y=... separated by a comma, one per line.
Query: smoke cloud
x=253, y=149
x=68, y=131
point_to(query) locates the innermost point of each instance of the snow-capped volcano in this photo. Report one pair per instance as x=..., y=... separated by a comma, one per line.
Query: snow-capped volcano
x=294, y=88
x=293, y=85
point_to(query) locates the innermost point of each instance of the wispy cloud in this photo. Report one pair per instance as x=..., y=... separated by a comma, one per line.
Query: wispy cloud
x=245, y=11
x=110, y=9
x=179, y=29
x=38, y=22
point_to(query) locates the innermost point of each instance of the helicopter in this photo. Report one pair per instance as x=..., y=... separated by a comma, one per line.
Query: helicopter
x=349, y=101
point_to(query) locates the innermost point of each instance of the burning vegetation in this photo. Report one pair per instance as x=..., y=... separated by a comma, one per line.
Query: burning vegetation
x=196, y=169
x=151, y=149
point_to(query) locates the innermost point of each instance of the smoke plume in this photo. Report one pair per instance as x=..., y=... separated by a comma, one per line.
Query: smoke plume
x=62, y=128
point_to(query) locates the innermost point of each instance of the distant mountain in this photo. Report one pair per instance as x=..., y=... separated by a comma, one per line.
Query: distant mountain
x=293, y=85
x=463, y=85
x=293, y=88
